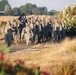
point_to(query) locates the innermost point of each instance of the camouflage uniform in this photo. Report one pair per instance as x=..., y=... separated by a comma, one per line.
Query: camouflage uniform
x=8, y=35
x=32, y=31
x=40, y=35
x=36, y=33
x=57, y=32
x=3, y=29
x=44, y=30
x=27, y=35
x=49, y=30
x=63, y=30
x=23, y=22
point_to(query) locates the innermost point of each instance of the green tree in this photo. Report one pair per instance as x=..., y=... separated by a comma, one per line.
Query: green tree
x=16, y=12
x=27, y=8
x=9, y=12
x=2, y=4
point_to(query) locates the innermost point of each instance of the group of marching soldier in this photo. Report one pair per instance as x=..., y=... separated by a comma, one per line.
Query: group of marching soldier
x=33, y=30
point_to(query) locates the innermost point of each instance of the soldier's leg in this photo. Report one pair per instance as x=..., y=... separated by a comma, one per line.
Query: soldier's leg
x=27, y=40
x=20, y=33
x=6, y=39
x=36, y=39
x=63, y=33
x=55, y=36
x=17, y=36
x=58, y=36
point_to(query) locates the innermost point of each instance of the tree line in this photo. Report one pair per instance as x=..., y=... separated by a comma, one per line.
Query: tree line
x=28, y=8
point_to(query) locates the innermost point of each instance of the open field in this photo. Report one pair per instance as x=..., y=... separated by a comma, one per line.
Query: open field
x=6, y=18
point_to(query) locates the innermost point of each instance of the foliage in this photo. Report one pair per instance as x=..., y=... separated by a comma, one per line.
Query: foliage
x=29, y=9
x=68, y=14
x=12, y=68
x=9, y=12
x=2, y=4
x=4, y=49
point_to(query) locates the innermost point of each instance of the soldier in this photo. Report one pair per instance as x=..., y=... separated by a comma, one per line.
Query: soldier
x=40, y=38
x=44, y=30
x=18, y=30
x=8, y=34
x=63, y=30
x=36, y=32
x=27, y=34
x=32, y=31
x=23, y=22
x=3, y=29
x=56, y=30
x=49, y=30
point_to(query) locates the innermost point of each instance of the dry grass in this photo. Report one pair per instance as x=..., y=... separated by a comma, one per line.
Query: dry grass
x=6, y=18
x=51, y=56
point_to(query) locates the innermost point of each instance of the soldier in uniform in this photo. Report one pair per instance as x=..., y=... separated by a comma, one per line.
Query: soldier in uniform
x=32, y=31
x=36, y=32
x=23, y=22
x=27, y=33
x=3, y=29
x=8, y=34
x=49, y=30
x=18, y=30
x=63, y=30
x=14, y=27
x=40, y=38
x=44, y=29
x=56, y=28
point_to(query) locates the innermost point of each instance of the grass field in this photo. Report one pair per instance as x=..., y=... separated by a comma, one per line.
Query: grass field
x=6, y=18
x=52, y=57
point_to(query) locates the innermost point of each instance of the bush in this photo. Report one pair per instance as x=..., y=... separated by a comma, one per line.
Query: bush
x=9, y=68
x=68, y=14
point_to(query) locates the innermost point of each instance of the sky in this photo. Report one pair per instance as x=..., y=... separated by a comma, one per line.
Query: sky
x=50, y=4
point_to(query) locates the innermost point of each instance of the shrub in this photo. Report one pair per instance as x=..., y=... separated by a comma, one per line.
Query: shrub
x=68, y=14
x=15, y=68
